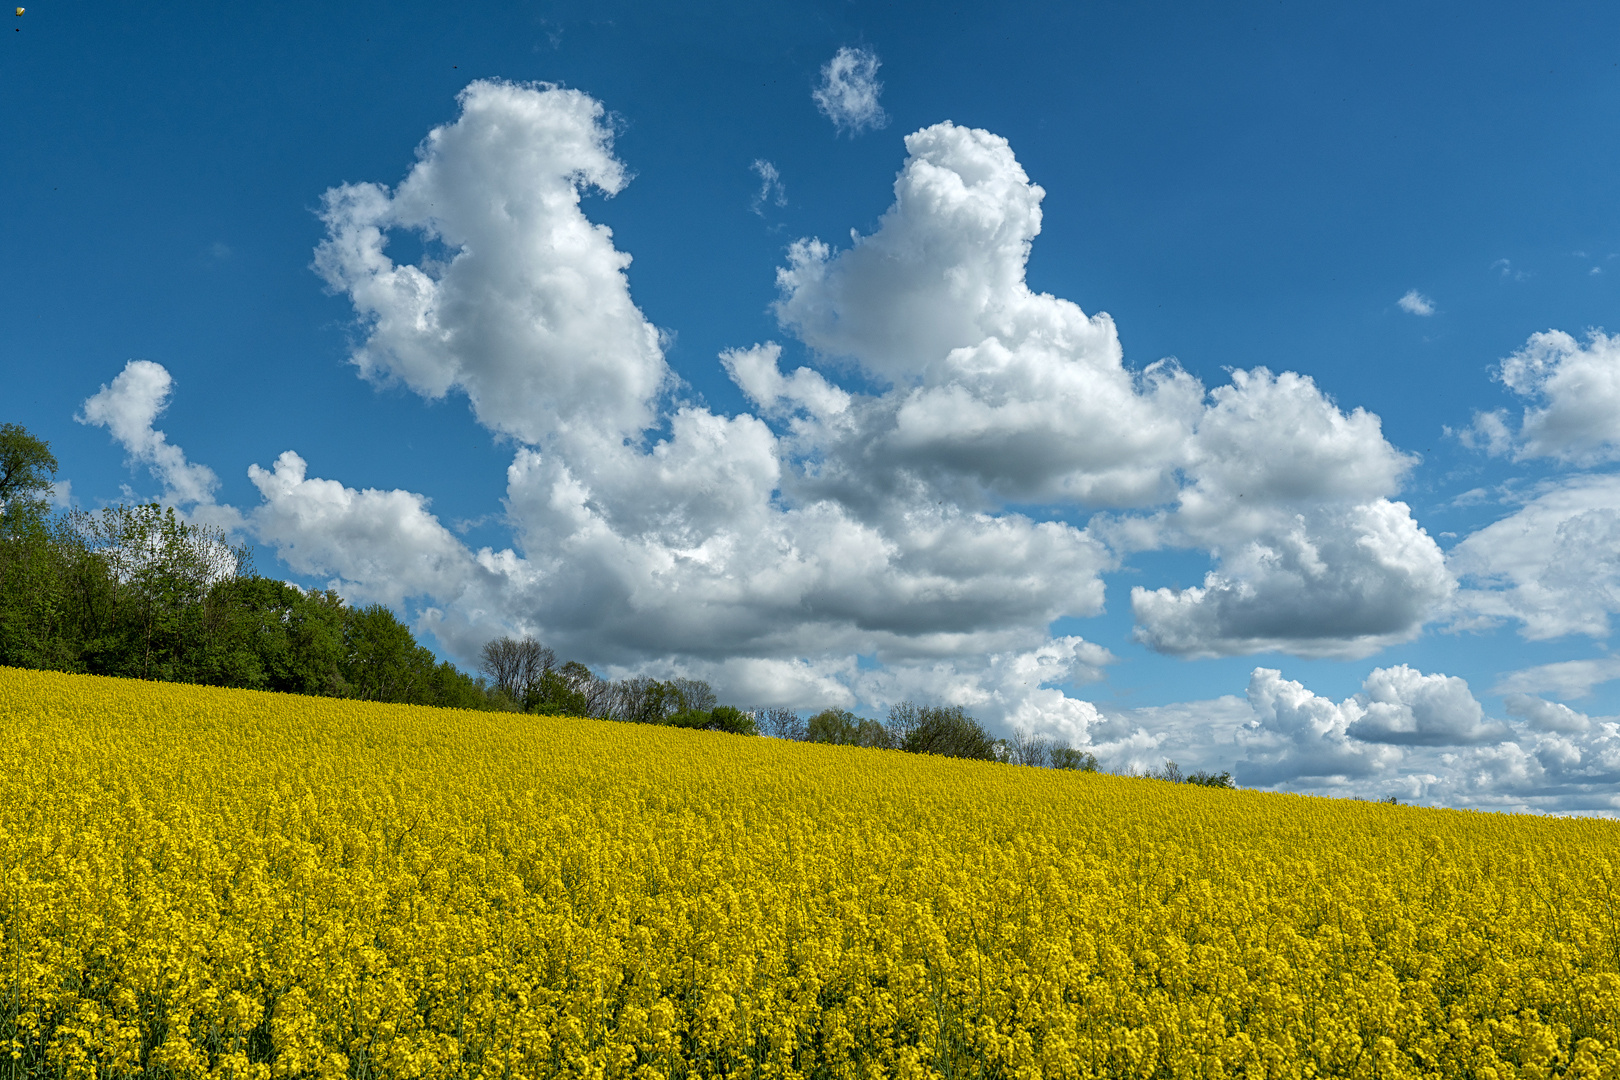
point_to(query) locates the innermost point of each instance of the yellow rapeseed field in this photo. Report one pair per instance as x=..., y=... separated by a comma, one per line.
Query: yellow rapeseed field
x=224, y=883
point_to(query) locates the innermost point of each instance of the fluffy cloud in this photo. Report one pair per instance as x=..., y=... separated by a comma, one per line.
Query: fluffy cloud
x=944, y=270
x=768, y=551
x=1401, y=705
x=1547, y=715
x=1424, y=738
x=1415, y=303
x=381, y=546
x=757, y=373
x=1001, y=393
x=1341, y=584
x=1296, y=735
x=1288, y=492
x=1575, y=389
x=128, y=408
x=1553, y=566
x=848, y=94
x=524, y=306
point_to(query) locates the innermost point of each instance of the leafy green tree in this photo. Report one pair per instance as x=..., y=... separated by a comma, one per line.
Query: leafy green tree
x=52, y=591
x=949, y=731
x=164, y=570
x=268, y=635
x=382, y=661
x=1063, y=756
x=840, y=727
x=566, y=691
x=27, y=468
x=834, y=726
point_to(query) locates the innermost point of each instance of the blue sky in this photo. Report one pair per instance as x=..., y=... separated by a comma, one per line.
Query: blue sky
x=1238, y=187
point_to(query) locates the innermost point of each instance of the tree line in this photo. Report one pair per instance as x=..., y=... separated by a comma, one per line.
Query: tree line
x=138, y=592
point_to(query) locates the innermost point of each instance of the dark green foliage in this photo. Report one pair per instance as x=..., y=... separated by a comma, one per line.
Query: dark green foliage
x=950, y=732
x=565, y=691
x=840, y=727
x=138, y=592
x=719, y=718
x=1067, y=757
x=26, y=468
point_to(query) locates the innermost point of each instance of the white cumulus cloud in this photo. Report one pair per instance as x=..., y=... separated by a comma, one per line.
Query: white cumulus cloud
x=1001, y=393
x=848, y=93
x=525, y=307
x=1424, y=737
x=1553, y=566
x=128, y=408
x=1333, y=583
x=1575, y=391
x=933, y=524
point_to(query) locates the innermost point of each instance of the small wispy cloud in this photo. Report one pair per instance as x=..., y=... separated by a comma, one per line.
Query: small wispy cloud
x=771, y=189
x=1505, y=268
x=1567, y=678
x=848, y=94
x=1415, y=303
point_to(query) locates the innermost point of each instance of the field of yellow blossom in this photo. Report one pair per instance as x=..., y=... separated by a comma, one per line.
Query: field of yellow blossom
x=233, y=884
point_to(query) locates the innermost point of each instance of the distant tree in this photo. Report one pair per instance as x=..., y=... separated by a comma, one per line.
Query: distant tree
x=518, y=668
x=782, y=723
x=834, y=726
x=694, y=694
x=1064, y=756
x=499, y=660
x=1027, y=748
x=904, y=718
x=382, y=660
x=566, y=691
x=535, y=663
x=163, y=571
x=268, y=635
x=840, y=727
x=1172, y=772
x=719, y=718
x=949, y=731
x=642, y=700
x=733, y=720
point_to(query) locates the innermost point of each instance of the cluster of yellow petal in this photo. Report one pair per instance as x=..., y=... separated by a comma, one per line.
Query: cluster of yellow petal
x=232, y=884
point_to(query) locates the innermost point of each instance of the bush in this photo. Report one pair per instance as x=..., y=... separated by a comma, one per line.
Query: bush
x=720, y=718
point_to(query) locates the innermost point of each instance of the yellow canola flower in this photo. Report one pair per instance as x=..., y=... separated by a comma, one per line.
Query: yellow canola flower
x=215, y=883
